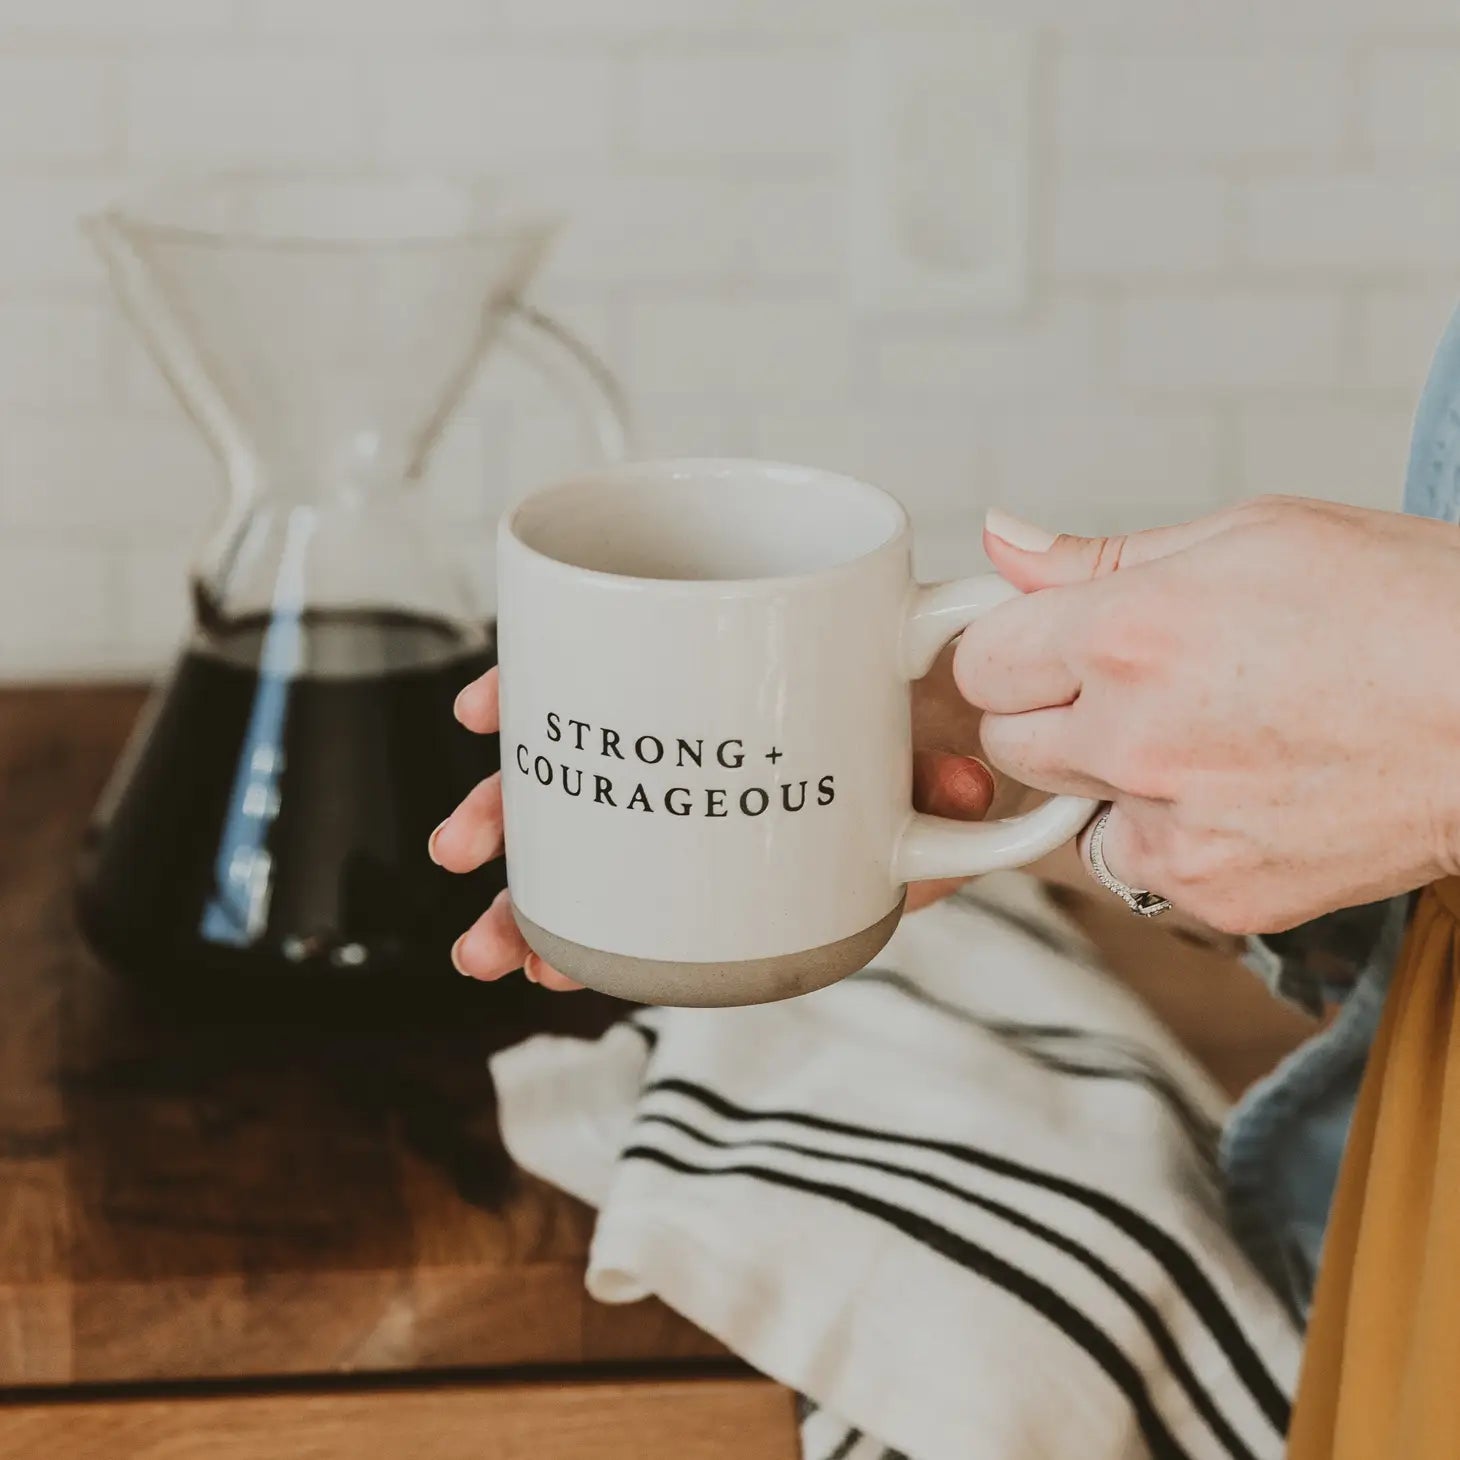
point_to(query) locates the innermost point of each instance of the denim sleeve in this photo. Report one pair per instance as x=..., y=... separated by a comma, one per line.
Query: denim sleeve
x=1318, y=963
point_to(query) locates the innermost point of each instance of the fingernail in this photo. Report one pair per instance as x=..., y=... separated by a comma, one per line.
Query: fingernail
x=456, y=703
x=456, y=956
x=431, y=843
x=970, y=784
x=528, y=971
x=1016, y=532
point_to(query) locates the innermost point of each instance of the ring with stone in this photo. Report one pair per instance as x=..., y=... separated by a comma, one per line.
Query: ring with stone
x=1142, y=903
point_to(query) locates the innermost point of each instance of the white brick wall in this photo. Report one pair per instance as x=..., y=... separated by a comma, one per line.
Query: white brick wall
x=241, y=110
x=97, y=19
x=1356, y=223
x=1237, y=340
x=1400, y=327
x=1198, y=106
x=1112, y=227
x=1053, y=349
x=342, y=22
x=494, y=108
x=53, y=353
x=1245, y=238
x=713, y=106
x=56, y=109
x=1412, y=102
x=1352, y=452
x=736, y=346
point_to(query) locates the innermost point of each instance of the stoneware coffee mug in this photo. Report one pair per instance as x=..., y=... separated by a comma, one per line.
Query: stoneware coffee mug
x=706, y=739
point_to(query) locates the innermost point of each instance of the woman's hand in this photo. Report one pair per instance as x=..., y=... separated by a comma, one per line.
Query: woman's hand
x=947, y=781
x=1270, y=696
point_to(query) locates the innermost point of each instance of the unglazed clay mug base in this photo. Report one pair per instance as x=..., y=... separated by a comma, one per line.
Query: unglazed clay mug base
x=706, y=985
x=706, y=729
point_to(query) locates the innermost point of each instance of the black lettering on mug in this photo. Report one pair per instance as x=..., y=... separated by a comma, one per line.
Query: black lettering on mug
x=788, y=797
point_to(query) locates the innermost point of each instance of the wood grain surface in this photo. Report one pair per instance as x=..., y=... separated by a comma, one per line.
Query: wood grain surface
x=195, y=1200
x=184, y=1199
x=707, y=1419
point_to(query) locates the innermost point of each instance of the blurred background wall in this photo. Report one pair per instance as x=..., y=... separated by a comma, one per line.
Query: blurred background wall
x=1243, y=235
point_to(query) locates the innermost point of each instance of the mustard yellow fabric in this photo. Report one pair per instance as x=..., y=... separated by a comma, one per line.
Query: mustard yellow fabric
x=1381, y=1371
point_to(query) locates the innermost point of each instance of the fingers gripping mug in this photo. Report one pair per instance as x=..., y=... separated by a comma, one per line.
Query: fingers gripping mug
x=706, y=739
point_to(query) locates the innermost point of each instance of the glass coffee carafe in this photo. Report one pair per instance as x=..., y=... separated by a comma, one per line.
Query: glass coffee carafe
x=267, y=825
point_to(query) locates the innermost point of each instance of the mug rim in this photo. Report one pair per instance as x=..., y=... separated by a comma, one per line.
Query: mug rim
x=667, y=469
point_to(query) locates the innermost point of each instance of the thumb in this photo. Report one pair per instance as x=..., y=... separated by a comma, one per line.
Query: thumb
x=1031, y=558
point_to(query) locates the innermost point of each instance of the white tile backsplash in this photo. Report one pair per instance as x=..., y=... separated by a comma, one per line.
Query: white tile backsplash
x=1356, y=224
x=1119, y=227
x=1106, y=458
x=1182, y=103
x=123, y=473
x=53, y=353
x=1244, y=241
x=1412, y=102
x=41, y=247
x=93, y=20
x=623, y=18
x=57, y=110
x=1353, y=452
x=1399, y=327
x=59, y=596
x=715, y=105
x=344, y=22
x=739, y=347
x=495, y=108
x=1236, y=340
x=1051, y=350
x=672, y=228
x=187, y=110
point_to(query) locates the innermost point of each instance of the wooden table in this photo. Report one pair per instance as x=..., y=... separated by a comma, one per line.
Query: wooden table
x=258, y=1240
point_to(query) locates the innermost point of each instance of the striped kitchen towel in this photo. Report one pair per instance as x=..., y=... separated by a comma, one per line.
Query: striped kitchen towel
x=965, y=1203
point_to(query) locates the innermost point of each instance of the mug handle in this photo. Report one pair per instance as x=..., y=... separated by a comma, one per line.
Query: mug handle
x=935, y=846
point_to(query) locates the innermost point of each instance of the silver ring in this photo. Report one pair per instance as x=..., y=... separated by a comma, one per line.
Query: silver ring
x=1142, y=903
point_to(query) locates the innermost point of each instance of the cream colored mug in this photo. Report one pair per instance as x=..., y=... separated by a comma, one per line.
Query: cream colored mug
x=706, y=729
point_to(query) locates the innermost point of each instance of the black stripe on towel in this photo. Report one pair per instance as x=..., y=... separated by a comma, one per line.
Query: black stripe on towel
x=1034, y=928
x=1027, y=1039
x=972, y=1258
x=646, y=1032
x=1140, y=1305
x=844, y=1446
x=1177, y=1262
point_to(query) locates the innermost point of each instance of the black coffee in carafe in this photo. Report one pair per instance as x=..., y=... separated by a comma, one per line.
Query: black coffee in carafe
x=267, y=827
x=274, y=826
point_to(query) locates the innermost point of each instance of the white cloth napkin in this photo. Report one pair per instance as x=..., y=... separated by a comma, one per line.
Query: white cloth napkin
x=964, y=1202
